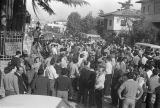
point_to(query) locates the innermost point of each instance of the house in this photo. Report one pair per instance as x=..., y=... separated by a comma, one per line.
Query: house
x=151, y=11
x=58, y=26
x=120, y=19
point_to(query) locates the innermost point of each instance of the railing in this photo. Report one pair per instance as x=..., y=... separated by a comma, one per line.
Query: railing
x=10, y=42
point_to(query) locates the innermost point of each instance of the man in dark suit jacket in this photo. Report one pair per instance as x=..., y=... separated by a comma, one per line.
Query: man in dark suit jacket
x=84, y=80
x=16, y=59
x=21, y=83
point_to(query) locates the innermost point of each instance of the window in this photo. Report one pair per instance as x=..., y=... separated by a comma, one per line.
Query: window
x=149, y=8
x=105, y=23
x=123, y=23
x=144, y=9
x=110, y=22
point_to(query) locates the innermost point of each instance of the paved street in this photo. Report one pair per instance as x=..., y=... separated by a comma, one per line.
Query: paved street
x=105, y=104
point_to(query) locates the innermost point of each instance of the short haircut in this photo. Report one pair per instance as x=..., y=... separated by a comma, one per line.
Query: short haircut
x=40, y=70
x=58, y=59
x=18, y=52
x=108, y=58
x=36, y=59
x=130, y=75
x=64, y=71
x=75, y=60
x=52, y=62
x=155, y=71
x=92, y=66
x=9, y=68
x=86, y=62
x=81, y=55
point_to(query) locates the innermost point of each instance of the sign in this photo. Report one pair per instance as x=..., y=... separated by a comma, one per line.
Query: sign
x=12, y=47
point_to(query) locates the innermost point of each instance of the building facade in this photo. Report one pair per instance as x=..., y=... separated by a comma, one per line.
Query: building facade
x=151, y=11
x=58, y=26
x=120, y=19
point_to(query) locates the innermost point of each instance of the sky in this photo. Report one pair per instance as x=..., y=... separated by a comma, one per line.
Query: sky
x=62, y=11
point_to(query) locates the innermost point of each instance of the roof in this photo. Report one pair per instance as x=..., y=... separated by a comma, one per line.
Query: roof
x=140, y=1
x=126, y=12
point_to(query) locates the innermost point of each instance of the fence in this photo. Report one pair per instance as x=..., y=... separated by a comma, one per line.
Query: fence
x=10, y=42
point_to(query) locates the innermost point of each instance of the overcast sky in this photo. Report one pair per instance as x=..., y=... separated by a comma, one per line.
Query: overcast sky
x=62, y=11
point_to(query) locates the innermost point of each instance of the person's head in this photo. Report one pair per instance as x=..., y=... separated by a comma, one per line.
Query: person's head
x=130, y=75
x=86, y=63
x=75, y=60
x=108, y=58
x=58, y=60
x=37, y=60
x=155, y=71
x=20, y=70
x=52, y=45
x=3, y=20
x=124, y=59
x=157, y=52
x=148, y=67
x=53, y=61
x=10, y=68
x=81, y=55
x=40, y=71
x=92, y=66
x=18, y=53
x=101, y=68
x=64, y=71
x=119, y=59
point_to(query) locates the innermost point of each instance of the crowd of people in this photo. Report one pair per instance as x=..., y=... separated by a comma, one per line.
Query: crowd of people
x=87, y=73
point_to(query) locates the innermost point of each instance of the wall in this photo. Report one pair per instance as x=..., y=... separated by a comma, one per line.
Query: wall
x=151, y=11
x=107, y=23
x=117, y=23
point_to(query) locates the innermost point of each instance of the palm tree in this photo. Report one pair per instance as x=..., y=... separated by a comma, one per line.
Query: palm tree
x=45, y=4
x=15, y=10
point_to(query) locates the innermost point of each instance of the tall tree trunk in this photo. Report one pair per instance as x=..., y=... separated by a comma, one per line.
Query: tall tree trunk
x=19, y=11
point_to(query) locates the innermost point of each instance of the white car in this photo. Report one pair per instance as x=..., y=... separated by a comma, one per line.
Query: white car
x=33, y=101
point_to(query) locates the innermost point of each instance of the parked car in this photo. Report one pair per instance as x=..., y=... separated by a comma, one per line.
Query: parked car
x=33, y=101
x=147, y=45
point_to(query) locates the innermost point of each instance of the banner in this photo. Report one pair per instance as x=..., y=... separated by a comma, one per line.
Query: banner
x=27, y=43
x=12, y=47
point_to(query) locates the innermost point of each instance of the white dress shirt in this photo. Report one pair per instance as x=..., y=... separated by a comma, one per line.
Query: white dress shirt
x=100, y=79
x=149, y=73
x=50, y=72
x=108, y=68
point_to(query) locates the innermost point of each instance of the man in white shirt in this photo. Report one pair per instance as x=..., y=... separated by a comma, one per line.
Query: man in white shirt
x=64, y=61
x=85, y=53
x=80, y=60
x=54, y=49
x=108, y=76
x=149, y=70
x=144, y=60
x=50, y=72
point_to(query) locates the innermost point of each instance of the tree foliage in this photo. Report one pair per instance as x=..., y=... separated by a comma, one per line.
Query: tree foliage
x=45, y=4
x=88, y=24
x=74, y=24
x=143, y=35
x=101, y=12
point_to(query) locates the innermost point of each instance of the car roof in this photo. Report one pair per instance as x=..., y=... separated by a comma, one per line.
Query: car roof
x=148, y=45
x=30, y=101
